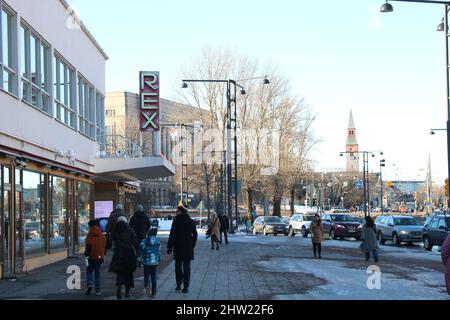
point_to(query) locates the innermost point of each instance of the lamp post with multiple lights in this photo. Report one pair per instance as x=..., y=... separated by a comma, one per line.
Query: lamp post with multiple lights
x=231, y=118
x=443, y=26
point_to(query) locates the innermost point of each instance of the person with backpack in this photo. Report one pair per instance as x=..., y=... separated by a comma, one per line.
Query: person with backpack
x=150, y=252
x=95, y=253
x=369, y=239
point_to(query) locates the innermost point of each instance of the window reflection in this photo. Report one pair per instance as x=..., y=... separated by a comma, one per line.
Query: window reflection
x=58, y=213
x=84, y=205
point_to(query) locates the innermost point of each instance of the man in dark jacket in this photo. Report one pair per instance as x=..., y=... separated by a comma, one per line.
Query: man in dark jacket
x=224, y=226
x=182, y=239
x=140, y=223
x=112, y=220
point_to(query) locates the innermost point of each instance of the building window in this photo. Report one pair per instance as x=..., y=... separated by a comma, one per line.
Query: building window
x=110, y=113
x=100, y=118
x=83, y=210
x=58, y=215
x=65, y=92
x=86, y=108
x=35, y=56
x=8, y=65
x=34, y=214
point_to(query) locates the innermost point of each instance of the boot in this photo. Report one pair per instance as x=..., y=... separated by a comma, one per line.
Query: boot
x=119, y=292
x=153, y=293
x=98, y=292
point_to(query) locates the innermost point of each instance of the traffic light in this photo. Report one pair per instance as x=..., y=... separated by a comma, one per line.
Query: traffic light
x=383, y=163
x=314, y=202
x=390, y=184
x=446, y=187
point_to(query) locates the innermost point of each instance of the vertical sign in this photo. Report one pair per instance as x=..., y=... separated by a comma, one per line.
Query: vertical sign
x=149, y=104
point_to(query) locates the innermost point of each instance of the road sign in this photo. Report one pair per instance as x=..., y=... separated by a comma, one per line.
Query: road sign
x=358, y=184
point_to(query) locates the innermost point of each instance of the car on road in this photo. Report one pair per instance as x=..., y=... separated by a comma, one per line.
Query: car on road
x=269, y=225
x=435, y=231
x=398, y=229
x=340, y=225
x=286, y=219
x=300, y=223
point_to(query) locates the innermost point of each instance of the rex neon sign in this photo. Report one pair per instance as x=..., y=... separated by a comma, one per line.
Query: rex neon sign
x=149, y=101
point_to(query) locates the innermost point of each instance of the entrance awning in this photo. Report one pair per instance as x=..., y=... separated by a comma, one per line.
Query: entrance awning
x=133, y=169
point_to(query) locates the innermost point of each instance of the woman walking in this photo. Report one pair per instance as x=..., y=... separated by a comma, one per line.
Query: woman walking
x=214, y=230
x=124, y=260
x=317, y=235
x=369, y=239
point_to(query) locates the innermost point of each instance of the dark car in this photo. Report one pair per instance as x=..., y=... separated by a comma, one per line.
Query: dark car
x=270, y=225
x=435, y=231
x=339, y=225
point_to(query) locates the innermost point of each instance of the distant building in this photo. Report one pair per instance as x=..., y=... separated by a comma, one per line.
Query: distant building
x=352, y=159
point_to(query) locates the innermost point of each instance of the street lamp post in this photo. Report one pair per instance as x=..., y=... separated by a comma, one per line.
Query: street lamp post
x=232, y=86
x=443, y=26
x=382, y=164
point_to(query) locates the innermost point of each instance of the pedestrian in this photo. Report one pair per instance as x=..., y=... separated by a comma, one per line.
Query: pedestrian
x=182, y=240
x=317, y=235
x=224, y=227
x=112, y=220
x=369, y=239
x=124, y=260
x=140, y=223
x=149, y=250
x=94, y=252
x=214, y=230
x=445, y=254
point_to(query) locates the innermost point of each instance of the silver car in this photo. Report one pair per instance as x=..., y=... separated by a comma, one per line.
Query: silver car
x=399, y=229
x=269, y=225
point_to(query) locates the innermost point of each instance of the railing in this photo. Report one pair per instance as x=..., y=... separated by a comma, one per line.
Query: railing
x=117, y=146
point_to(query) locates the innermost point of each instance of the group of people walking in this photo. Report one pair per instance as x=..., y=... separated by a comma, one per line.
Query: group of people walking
x=129, y=242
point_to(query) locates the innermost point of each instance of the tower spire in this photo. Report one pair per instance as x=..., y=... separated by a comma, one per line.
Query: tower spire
x=351, y=146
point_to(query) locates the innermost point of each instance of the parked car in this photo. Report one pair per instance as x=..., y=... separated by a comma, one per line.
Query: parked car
x=300, y=223
x=286, y=219
x=435, y=231
x=339, y=225
x=32, y=230
x=270, y=225
x=398, y=229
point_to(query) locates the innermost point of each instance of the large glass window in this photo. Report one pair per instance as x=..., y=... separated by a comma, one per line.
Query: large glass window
x=5, y=188
x=58, y=216
x=35, y=55
x=65, y=92
x=8, y=65
x=100, y=118
x=83, y=209
x=86, y=108
x=34, y=213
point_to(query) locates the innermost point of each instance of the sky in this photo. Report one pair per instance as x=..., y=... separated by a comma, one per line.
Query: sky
x=389, y=68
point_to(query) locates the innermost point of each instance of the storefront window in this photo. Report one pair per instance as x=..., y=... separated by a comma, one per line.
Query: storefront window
x=83, y=208
x=58, y=214
x=5, y=187
x=33, y=213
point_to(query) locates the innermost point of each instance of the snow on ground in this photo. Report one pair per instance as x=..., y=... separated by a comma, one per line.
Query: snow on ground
x=351, y=284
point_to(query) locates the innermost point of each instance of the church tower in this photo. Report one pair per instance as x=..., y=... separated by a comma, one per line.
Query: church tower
x=352, y=146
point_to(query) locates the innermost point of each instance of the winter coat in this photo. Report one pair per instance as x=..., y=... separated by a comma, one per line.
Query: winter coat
x=445, y=254
x=112, y=221
x=224, y=223
x=316, y=232
x=95, y=244
x=124, y=259
x=369, y=239
x=214, y=228
x=149, y=250
x=183, y=237
x=140, y=223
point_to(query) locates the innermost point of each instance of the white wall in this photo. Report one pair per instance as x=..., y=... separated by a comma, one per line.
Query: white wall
x=49, y=19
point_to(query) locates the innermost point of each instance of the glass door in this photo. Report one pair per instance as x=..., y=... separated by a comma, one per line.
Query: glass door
x=72, y=221
x=5, y=225
x=19, y=251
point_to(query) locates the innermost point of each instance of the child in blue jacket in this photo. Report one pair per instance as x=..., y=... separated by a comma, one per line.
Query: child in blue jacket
x=149, y=250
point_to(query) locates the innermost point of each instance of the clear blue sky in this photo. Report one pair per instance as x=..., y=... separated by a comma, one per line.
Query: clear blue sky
x=340, y=55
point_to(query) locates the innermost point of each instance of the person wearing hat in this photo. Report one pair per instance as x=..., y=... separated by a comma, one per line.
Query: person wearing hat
x=124, y=259
x=149, y=250
x=95, y=253
x=112, y=221
x=140, y=223
x=182, y=240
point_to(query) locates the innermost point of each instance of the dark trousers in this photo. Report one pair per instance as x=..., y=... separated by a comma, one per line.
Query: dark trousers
x=225, y=233
x=317, y=247
x=93, y=270
x=150, y=272
x=183, y=272
x=374, y=254
x=214, y=240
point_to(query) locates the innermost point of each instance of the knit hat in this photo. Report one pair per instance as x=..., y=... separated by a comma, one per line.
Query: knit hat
x=95, y=222
x=182, y=208
x=152, y=232
x=122, y=219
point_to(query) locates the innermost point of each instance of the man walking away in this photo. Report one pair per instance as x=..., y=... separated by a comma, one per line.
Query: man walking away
x=182, y=240
x=224, y=227
x=140, y=223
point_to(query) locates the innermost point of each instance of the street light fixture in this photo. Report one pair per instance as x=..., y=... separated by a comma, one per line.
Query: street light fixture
x=441, y=27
